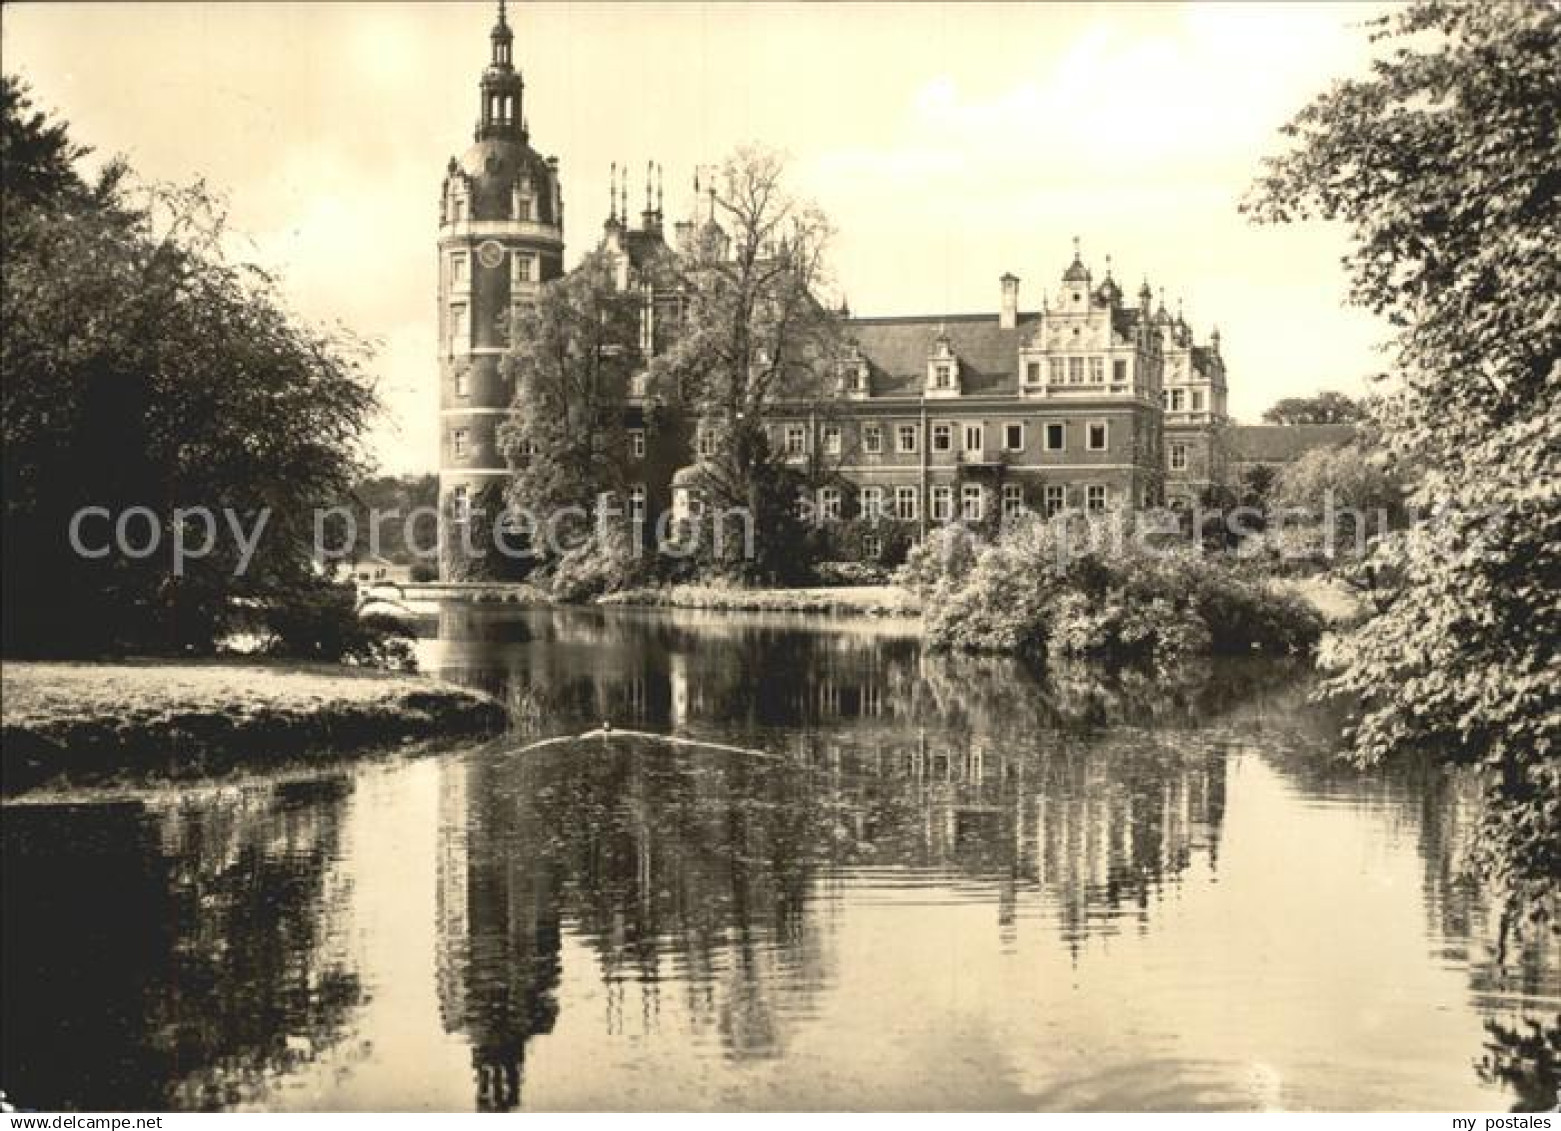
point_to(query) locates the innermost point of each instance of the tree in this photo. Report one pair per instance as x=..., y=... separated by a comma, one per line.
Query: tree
x=1326, y=407
x=1355, y=486
x=1445, y=164
x=755, y=337
x=143, y=368
x=574, y=353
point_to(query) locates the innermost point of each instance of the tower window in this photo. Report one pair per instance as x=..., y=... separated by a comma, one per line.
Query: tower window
x=459, y=441
x=637, y=443
x=1178, y=457
x=1056, y=437
x=1096, y=436
x=942, y=437
x=872, y=439
x=1013, y=436
x=1097, y=370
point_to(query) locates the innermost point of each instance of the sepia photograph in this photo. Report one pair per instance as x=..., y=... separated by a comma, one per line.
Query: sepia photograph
x=874, y=557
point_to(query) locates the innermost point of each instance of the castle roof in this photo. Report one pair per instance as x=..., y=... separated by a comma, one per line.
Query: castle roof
x=896, y=350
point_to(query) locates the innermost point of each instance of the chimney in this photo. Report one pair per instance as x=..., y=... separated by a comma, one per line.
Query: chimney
x=1008, y=318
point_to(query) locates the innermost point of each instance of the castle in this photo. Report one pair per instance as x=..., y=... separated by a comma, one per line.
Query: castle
x=1091, y=402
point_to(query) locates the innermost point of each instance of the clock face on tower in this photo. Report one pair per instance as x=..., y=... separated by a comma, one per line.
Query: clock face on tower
x=490, y=254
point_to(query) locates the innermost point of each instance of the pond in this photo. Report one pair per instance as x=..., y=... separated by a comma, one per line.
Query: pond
x=808, y=867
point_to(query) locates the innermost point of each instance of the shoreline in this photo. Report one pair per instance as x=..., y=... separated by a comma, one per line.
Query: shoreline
x=83, y=722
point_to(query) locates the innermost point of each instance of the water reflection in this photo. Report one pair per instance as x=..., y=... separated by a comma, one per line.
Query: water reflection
x=167, y=954
x=931, y=882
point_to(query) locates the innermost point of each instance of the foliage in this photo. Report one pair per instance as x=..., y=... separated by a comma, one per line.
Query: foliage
x=574, y=351
x=607, y=562
x=1327, y=407
x=1445, y=163
x=946, y=554
x=143, y=368
x=850, y=573
x=1088, y=589
x=480, y=544
x=1327, y=481
x=318, y=620
x=754, y=336
x=396, y=499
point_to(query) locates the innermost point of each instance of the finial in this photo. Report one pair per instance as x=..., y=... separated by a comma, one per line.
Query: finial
x=612, y=192
x=1075, y=248
x=658, y=188
x=1162, y=298
x=502, y=13
x=650, y=179
x=1108, y=267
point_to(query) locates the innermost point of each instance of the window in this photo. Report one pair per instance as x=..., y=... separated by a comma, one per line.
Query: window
x=829, y=503
x=1056, y=370
x=872, y=546
x=940, y=503
x=1097, y=371
x=458, y=277
x=1096, y=435
x=458, y=208
x=462, y=382
x=871, y=502
x=943, y=376
x=796, y=442
x=1056, y=499
x=970, y=495
x=637, y=503
x=1197, y=400
x=872, y=439
x=1032, y=373
x=528, y=447
x=1094, y=497
x=905, y=438
x=975, y=438
x=1178, y=457
x=705, y=445
x=524, y=208
x=1056, y=437
x=1178, y=399
x=459, y=440
x=832, y=439
x=1119, y=371
x=637, y=443
x=1075, y=370
x=1013, y=500
x=942, y=437
x=461, y=504
x=905, y=503
x=522, y=268
x=1013, y=436
x=460, y=327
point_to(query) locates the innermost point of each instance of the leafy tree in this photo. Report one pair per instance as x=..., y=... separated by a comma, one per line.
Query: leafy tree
x=1325, y=408
x=755, y=337
x=1365, y=497
x=574, y=352
x=1445, y=163
x=143, y=368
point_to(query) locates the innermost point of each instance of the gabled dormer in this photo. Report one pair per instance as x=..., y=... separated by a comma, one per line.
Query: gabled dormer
x=943, y=376
x=853, y=375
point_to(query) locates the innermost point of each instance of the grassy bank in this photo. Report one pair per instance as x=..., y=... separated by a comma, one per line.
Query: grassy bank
x=861, y=600
x=89, y=720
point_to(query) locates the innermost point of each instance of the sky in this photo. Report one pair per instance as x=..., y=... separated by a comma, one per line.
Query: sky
x=947, y=142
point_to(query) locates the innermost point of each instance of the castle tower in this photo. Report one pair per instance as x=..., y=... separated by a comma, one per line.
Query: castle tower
x=501, y=236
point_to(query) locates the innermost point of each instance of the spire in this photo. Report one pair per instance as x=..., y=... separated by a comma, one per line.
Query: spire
x=501, y=113
x=612, y=193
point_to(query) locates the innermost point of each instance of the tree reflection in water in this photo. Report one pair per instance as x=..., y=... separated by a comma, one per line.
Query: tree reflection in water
x=176, y=953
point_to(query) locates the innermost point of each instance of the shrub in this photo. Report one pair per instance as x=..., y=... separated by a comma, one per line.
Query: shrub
x=319, y=620
x=1082, y=589
x=946, y=554
x=606, y=562
x=850, y=573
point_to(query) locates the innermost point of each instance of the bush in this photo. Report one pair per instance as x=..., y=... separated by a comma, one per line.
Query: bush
x=319, y=620
x=850, y=573
x=1088, y=589
x=603, y=563
x=946, y=554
